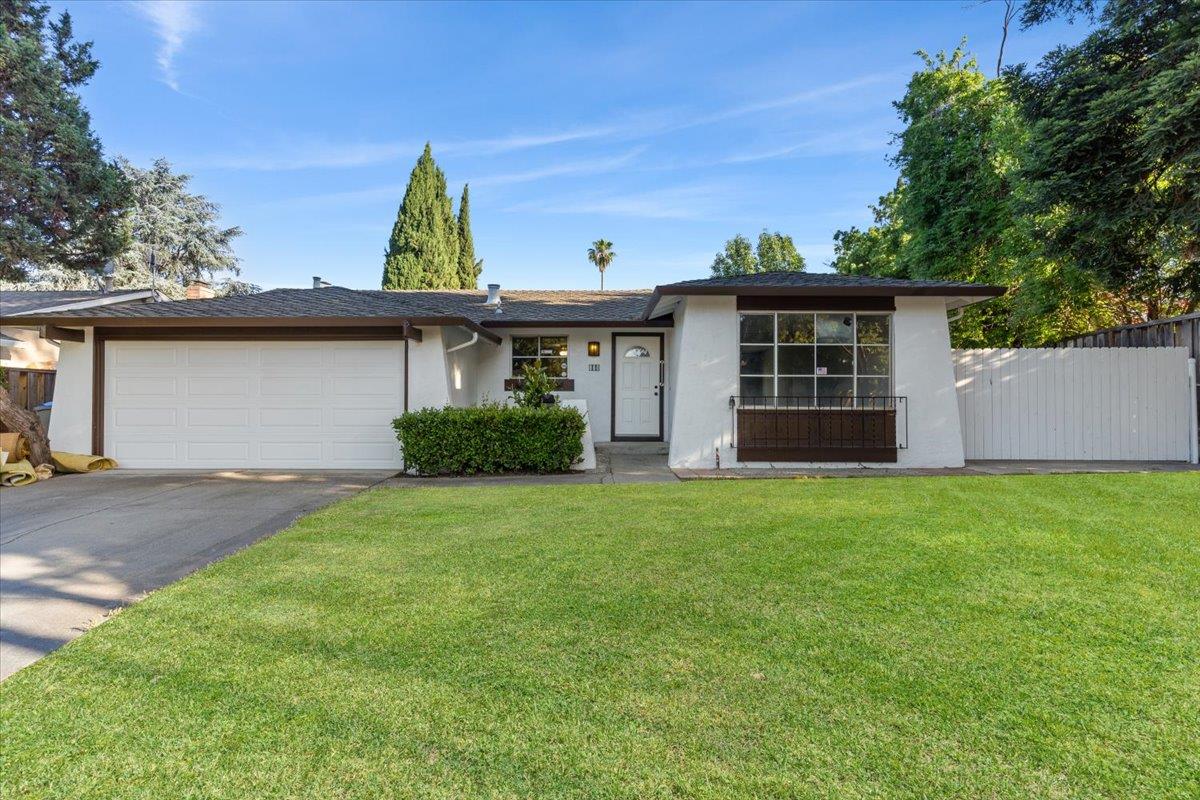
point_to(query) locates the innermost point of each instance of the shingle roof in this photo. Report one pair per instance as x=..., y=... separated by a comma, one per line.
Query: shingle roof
x=530, y=306
x=19, y=301
x=516, y=306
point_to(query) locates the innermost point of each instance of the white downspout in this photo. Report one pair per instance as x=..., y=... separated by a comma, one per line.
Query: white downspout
x=1194, y=435
x=474, y=338
x=951, y=319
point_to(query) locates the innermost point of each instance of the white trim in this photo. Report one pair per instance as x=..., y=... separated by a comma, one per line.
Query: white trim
x=113, y=298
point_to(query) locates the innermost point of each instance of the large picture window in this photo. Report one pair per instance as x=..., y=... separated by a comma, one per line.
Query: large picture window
x=802, y=356
x=550, y=350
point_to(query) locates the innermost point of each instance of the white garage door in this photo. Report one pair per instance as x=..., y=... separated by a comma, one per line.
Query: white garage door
x=207, y=405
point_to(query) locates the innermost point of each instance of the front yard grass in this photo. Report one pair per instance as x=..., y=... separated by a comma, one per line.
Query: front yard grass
x=1006, y=637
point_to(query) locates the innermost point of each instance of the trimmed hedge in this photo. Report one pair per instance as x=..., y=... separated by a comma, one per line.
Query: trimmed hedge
x=490, y=439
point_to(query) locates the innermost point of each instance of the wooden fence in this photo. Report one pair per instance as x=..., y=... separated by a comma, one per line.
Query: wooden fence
x=1181, y=331
x=30, y=388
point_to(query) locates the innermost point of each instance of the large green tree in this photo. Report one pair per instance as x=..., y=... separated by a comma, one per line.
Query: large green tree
x=61, y=203
x=423, y=252
x=1113, y=162
x=468, y=267
x=180, y=228
x=775, y=252
x=955, y=211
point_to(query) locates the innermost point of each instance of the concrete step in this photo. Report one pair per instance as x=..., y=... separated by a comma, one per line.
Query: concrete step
x=634, y=448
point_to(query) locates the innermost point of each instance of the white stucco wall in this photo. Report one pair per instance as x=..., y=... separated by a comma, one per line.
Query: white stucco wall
x=706, y=375
x=462, y=366
x=594, y=386
x=924, y=373
x=707, y=363
x=428, y=372
x=71, y=419
x=495, y=365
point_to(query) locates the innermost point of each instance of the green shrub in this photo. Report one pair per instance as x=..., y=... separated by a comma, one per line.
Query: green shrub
x=490, y=439
x=535, y=386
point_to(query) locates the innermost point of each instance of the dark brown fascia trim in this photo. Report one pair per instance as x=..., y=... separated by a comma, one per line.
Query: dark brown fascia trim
x=814, y=303
x=966, y=290
x=654, y=323
x=164, y=324
x=62, y=334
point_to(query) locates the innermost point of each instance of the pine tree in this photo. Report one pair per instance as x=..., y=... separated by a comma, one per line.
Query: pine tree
x=468, y=267
x=61, y=203
x=423, y=250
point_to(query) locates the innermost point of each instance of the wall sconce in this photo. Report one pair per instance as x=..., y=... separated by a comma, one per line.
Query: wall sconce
x=594, y=349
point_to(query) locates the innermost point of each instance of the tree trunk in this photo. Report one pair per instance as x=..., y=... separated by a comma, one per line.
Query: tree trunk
x=27, y=424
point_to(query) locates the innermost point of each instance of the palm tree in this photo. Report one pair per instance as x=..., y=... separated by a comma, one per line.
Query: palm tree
x=601, y=254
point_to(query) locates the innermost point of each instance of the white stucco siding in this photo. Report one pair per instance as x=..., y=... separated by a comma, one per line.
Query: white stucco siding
x=71, y=419
x=428, y=371
x=592, y=376
x=924, y=373
x=706, y=375
x=462, y=365
x=707, y=363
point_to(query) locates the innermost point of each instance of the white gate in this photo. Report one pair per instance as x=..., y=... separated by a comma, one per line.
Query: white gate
x=1110, y=403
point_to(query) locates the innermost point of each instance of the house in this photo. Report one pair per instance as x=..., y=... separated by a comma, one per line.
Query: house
x=776, y=368
x=27, y=358
x=24, y=347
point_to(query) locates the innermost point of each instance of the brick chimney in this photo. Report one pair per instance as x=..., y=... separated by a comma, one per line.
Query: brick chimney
x=199, y=290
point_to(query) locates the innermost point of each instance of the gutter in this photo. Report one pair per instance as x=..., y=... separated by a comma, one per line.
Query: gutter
x=474, y=338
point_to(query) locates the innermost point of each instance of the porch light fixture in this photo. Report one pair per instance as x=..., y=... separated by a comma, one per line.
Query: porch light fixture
x=594, y=349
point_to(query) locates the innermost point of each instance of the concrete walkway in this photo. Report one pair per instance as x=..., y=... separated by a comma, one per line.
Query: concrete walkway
x=76, y=547
x=616, y=462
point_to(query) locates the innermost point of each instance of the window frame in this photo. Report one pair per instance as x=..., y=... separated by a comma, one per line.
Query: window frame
x=538, y=337
x=776, y=373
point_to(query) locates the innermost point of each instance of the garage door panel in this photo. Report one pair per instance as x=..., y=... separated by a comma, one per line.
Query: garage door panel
x=136, y=356
x=218, y=417
x=268, y=404
x=134, y=386
x=145, y=418
x=290, y=417
x=309, y=386
x=220, y=357
x=218, y=386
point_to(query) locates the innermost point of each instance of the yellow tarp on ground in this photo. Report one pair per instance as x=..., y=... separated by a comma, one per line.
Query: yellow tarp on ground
x=17, y=473
x=77, y=462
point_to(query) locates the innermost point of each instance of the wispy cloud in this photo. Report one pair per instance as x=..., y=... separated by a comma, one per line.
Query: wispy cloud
x=173, y=21
x=312, y=155
x=332, y=155
x=524, y=141
x=707, y=201
x=857, y=140
x=592, y=166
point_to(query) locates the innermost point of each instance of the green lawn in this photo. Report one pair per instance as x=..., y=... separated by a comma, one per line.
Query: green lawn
x=946, y=637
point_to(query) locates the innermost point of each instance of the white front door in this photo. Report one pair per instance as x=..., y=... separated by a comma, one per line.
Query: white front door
x=636, y=402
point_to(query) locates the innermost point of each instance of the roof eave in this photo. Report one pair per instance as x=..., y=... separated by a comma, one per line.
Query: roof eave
x=970, y=292
x=63, y=321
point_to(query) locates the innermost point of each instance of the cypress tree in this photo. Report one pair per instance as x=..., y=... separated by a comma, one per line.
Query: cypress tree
x=468, y=267
x=423, y=250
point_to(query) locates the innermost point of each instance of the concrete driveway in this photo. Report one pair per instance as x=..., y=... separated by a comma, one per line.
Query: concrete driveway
x=76, y=547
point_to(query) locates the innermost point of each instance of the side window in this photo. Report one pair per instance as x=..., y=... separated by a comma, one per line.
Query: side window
x=550, y=350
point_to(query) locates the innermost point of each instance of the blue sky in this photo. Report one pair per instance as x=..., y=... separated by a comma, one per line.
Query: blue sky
x=667, y=128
